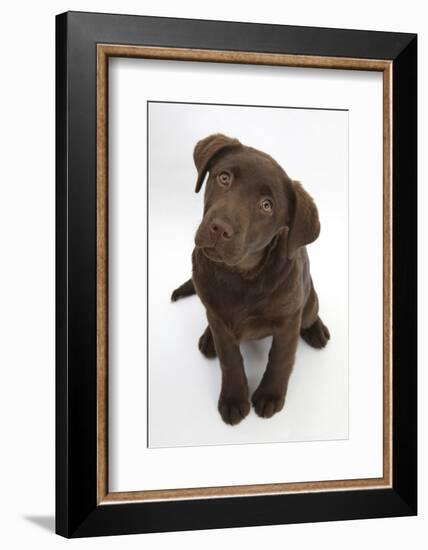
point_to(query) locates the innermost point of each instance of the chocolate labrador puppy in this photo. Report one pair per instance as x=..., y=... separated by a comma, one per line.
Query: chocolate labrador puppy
x=251, y=270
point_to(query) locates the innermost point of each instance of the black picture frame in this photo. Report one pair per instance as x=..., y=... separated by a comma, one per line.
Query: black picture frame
x=77, y=511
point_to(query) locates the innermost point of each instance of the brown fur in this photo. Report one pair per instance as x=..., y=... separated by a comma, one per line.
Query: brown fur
x=251, y=270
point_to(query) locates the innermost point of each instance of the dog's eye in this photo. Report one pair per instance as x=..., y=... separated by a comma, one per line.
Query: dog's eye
x=266, y=205
x=224, y=178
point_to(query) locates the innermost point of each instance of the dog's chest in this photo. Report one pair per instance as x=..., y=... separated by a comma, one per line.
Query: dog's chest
x=248, y=309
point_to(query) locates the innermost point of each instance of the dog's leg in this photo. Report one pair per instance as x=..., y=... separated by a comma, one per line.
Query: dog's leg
x=206, y=344
x=186, y=289
x=233, y=403
x=317, y=335
x=269, y=397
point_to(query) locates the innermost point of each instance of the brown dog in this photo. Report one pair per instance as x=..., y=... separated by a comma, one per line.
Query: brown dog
x=251, y=270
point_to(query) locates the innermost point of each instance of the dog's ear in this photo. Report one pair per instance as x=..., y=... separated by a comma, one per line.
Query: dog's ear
x=305, y=223
x=205, y=150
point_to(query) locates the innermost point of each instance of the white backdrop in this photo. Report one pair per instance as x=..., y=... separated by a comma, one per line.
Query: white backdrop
x=312, y=146
x=27, y=297
x=132, y=82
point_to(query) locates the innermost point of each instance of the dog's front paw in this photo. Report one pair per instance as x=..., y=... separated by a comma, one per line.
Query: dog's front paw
x=266, y=403
x=233, y=411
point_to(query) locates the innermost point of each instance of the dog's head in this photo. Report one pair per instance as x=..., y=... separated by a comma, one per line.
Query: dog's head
x=249, y=200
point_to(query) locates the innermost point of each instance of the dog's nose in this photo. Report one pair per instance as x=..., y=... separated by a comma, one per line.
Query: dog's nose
x=220, y=230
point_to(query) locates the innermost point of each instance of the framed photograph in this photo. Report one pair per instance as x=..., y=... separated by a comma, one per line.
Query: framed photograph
x=244, y=354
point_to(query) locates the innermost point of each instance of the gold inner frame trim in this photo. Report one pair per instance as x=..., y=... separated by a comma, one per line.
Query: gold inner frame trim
x=104, y=51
